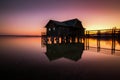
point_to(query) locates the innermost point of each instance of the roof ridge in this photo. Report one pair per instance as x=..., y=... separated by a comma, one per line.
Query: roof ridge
x=58, y=22
x=54, y=21
x=70, y=20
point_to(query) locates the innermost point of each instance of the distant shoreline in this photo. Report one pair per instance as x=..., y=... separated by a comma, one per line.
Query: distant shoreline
x=20, y=36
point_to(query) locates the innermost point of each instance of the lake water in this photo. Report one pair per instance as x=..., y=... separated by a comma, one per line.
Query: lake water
x=28, y=58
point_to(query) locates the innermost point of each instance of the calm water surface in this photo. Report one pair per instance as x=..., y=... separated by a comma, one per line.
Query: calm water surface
x=29, y=58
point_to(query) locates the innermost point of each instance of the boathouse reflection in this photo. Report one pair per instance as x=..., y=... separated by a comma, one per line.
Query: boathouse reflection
x=68, y=49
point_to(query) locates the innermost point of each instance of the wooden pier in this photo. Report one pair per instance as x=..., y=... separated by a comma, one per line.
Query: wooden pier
x=113, y=34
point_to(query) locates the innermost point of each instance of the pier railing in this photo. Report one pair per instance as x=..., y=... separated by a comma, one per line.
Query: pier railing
x=113, y=34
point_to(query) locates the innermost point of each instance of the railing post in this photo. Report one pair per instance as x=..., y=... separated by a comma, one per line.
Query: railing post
x=113, y=41
x=87, y=40
x=98, y=40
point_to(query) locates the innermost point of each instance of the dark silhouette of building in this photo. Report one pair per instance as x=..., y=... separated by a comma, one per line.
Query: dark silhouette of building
x=71, y=28
x=72, y=51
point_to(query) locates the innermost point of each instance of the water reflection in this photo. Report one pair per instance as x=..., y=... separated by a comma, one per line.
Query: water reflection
x=102, y=43
x=59, y=47
x=32, y=58
x=71, y=51
x=118, y=40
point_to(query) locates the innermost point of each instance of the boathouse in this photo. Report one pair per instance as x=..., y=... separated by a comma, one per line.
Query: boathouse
x=66, y=29
x=72, y=27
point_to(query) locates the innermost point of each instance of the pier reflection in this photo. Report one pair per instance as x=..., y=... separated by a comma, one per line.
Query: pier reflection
x=100, y=36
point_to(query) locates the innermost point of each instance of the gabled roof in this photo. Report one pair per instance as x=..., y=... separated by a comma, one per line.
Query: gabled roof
x=71, y=22
x=58, y=23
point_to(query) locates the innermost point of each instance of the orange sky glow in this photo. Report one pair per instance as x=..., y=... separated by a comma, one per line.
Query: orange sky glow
x=31, y=18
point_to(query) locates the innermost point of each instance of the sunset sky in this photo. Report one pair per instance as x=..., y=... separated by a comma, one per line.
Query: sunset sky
x=28, y=17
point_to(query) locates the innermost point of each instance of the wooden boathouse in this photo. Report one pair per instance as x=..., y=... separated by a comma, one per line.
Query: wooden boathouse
x=65, y=30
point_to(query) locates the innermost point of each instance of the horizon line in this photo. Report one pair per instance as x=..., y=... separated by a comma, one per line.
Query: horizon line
x=20, y=35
